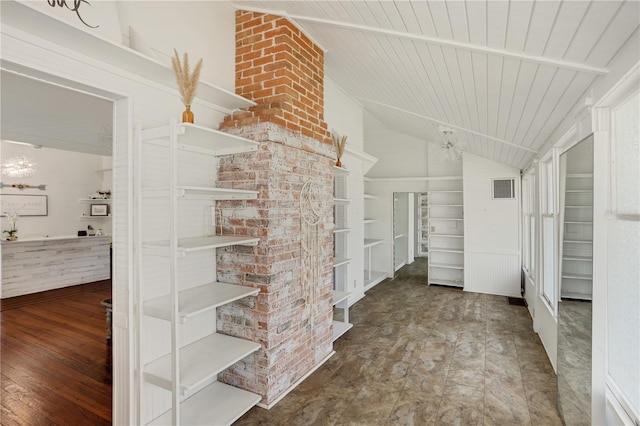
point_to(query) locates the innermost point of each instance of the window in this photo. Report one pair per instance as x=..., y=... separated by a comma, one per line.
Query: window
x=528, y=223
x=504, y=188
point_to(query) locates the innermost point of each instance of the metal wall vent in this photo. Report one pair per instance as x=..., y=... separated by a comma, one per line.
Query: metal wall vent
x=504, y=189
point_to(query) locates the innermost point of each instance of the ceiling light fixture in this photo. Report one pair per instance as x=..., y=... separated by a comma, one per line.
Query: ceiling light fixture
x=451, y=147
x=18, y=166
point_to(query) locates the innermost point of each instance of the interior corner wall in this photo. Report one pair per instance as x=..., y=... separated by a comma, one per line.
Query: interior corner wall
x=343, y=115
x=68, y=176
x=491, y=229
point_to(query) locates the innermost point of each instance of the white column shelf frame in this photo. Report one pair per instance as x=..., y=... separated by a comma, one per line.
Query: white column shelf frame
x=341, y=259
x=190, y=371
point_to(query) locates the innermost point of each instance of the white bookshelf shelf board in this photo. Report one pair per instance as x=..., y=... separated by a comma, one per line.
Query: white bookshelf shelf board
x=339, y=296
x=575, y=295
x=340, y=171
x=446, y=282
x=372, y=278
x=586, y=191
x=197, y=300
x=444, y=205
x=433, y=234
x=370, y=197
x=573, y=276
x=446, y=250
x=210, y=193
x=36, y=22
x=580, y=222
x=578, y=241
x=96, y=217
x=578, y=258
x=218, y=401
x=446, y=265
x=446, y=218
x=341, y=201
x=186, y=245
x=370, y=242
x=94, y=200
x=369, y=221
x=399, y=236
x=200, y=361
x=340, y=262
x=339, y=328
x=337, y=230
x=201, y=139
x=578, y=207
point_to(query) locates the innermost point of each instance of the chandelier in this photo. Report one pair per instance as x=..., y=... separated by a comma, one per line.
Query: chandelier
x=18, y=166
x=451, y=148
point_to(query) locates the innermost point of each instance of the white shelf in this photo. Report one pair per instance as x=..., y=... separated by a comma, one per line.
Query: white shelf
x=370, y=197
x=433, y=234
x=341, y=201
x=339, y=296
x=443, y=191
x=373, y=278
x=446, y=218
x=578, y=258
x=451, y=283
x=399, y=236
x=578, y=207
x=444, y=205
x=96, y=217
x=339, y=230
x=339, y=328
x=340, y=262
x=445, y=250
x=201, y=139
x=578, y=241
x=446, y=265
x=368, y=242
x=589, y=191
x=197, y=300
x=366, y=221
x=94, y=200
x=211, y=193
x=217, y=403
x=186, y=245
x=48, y=27
x=580, y=222
x=586, y=277
x=340, y=171
x=200, y=361
x=575, y=295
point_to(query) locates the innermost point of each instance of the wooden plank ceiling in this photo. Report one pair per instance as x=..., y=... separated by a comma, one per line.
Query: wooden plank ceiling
x=504, y=73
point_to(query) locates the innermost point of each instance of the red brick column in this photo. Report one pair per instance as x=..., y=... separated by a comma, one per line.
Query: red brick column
x=280, y=69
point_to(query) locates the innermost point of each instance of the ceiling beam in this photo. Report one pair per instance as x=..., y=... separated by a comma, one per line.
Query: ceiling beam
x=575, y=66
x=444, y=123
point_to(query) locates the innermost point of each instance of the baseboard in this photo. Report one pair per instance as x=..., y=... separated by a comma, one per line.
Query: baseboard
x=296, y=383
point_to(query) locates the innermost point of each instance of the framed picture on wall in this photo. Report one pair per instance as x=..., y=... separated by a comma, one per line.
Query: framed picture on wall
x=99, y=210
x=24, y=205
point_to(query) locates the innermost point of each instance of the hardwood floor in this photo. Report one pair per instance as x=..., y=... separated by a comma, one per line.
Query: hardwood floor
x=55, y=360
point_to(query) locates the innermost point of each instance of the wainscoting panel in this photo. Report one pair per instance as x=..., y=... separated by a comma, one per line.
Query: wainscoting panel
x=492, y=273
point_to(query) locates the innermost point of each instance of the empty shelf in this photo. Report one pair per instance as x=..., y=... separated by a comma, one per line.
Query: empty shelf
x=446, y=265
x=370, y=197
x=452, y=283
x=446, y=218
x=197, y=300
x=339, y=262
x=186, y=245
x=575, y=295
x=446, y=250
x=433, y=234
x=339, y=328
x=572, y=276
x=371, y=242
x=339, y=296
x=578, y=258
x=369, y=220
x=337, y=230
x=218, y=404
x=341, y=201
x=200, y=361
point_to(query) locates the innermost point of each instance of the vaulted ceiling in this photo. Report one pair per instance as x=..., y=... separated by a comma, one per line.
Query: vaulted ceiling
x=504, y=74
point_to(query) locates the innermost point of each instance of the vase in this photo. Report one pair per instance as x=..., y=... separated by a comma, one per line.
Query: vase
x=187, y=115
x=12, y=238
x=338, y=163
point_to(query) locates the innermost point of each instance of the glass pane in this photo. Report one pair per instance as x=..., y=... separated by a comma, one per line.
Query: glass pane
x=547, y=260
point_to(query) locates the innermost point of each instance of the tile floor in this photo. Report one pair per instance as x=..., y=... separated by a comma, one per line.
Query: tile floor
x=420, y=355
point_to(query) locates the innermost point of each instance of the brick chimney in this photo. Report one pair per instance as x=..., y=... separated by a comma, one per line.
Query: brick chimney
x=282, y=70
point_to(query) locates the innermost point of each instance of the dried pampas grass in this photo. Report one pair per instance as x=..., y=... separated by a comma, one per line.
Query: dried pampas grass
x=187, y=80
x=339, y=143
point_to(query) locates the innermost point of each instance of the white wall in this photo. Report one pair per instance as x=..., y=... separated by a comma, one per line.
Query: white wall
x=491, y=229
x=68, y=176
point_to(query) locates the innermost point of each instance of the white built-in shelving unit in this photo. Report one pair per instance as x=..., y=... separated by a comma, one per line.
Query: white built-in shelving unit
x=181, y=351
x=423, y=224
x=371, y=275
x=341, y=258
x=446, y=236
x=577, y=250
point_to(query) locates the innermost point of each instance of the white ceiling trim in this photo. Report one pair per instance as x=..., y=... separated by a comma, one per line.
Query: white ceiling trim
x=444, y=123
x=438, y=41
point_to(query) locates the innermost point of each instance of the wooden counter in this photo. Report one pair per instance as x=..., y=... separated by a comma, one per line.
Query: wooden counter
x=33, y=265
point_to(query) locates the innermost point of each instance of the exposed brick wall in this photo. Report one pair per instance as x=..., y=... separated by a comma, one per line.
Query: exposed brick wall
x=282, y=70
x=280, y=317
